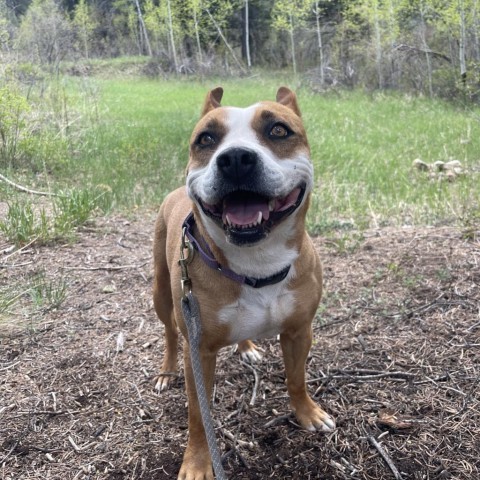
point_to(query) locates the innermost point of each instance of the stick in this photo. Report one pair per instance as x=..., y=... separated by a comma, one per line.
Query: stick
x=109, y=269
x=385, y=456
x=25, y=189
x=255, y=386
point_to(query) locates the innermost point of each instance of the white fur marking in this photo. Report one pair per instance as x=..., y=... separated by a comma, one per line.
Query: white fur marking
x=259, y=313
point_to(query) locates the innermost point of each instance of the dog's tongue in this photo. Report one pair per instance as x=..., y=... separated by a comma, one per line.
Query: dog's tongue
x=243, y=208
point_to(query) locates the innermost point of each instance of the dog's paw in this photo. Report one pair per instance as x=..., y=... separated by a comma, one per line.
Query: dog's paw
x=196, y=470
x=164, y=380
x=313, y=418
x=249, y=352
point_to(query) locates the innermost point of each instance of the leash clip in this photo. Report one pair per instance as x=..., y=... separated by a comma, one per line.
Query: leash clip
x=186, y=257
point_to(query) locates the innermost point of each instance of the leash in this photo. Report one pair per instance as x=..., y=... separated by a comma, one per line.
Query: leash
x=191, y=315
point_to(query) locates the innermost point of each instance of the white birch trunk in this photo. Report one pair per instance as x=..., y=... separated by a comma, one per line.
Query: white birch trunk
x=197, y=36
x=222, y=36
x=292, y=42
x=427, y=51
x=143, y=28
x=461, y=49
x=320, y=45
x=378, y=45
x=247, y=35
x=170, y=34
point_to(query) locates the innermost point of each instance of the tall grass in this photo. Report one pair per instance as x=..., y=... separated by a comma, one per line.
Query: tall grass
x=133, y=139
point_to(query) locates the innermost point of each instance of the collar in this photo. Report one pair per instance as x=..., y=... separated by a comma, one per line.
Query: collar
x=211, y=262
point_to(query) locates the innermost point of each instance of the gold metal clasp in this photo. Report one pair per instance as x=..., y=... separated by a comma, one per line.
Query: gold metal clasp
x=186, y=257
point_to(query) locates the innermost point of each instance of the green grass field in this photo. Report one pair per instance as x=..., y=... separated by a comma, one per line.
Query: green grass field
x=129, y=137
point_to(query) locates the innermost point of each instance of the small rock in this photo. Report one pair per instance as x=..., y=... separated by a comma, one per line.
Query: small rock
x=421, y=165
x=439, y=165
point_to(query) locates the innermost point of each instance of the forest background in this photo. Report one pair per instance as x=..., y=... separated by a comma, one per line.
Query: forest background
x=429, y=46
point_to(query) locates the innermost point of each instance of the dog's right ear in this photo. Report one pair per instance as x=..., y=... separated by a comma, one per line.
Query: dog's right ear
x=213, y=99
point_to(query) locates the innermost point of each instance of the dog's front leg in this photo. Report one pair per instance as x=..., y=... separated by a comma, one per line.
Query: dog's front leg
x=197, y=464
x=295, y=346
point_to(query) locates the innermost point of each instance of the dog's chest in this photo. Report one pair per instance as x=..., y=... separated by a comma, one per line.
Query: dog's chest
x=258, y=313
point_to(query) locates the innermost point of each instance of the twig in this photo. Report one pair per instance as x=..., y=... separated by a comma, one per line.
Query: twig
x=20, y=249
x=276, y=420
x=257, y=382
x=9, y=366
x=364, y=375
x=108, y=269
x=25, y=189
x=385, y=456
x=74, y=445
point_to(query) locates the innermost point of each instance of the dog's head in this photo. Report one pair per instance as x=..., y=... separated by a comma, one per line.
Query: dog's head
x=249, y=168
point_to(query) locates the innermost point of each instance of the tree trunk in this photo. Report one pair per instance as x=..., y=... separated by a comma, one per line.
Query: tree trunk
x=222, y=36
x=476, y=29
x=197, y=37
x=461, y=49
x=143, y=29
x=378, y=45
x=320, y=45
x=292, y=42
x=170, y=32
x=427, y=51
x=247, y=35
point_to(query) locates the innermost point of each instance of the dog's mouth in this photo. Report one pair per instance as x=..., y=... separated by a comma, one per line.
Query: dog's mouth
x=248, y=217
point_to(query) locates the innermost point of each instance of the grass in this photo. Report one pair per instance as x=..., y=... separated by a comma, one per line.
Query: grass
x=26, y=222
x=130, y=136
x=26, y=299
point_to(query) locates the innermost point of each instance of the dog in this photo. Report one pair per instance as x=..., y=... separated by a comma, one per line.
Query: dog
x=255, y=271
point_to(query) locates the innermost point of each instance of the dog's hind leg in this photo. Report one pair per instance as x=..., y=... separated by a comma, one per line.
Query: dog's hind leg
x=162, y=300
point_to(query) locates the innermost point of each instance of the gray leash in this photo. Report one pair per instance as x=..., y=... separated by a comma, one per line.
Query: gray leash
x=191, y=315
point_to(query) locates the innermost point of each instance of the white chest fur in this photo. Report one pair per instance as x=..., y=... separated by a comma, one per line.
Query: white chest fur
x=259, y=312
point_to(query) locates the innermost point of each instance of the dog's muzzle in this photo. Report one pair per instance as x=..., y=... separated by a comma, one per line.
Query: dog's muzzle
x=246, y=209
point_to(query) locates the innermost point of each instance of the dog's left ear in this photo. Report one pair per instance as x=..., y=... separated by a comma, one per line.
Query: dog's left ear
x=213, y=99
x=286, y=97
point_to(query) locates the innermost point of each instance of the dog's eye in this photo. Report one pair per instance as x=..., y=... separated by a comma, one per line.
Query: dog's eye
x=205, y=140
x=279, y=131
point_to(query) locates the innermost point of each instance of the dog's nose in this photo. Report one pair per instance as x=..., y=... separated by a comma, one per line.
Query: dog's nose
x=237, y=163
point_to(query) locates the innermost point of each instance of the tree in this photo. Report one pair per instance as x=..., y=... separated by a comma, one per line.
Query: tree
x=45, y=33
x=85, y=23
x=288, y=15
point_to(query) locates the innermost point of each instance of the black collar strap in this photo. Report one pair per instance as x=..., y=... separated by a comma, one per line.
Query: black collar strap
x=210, y=261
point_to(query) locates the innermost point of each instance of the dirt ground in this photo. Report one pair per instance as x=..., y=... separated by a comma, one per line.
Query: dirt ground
x=396, y=361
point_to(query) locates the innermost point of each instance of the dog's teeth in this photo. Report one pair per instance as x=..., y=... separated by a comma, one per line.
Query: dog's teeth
x=229, y=222
x=259, y=219
x=271, y=205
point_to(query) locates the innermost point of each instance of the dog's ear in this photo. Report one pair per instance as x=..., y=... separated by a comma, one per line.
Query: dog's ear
x=214, y=97
x=286, y=97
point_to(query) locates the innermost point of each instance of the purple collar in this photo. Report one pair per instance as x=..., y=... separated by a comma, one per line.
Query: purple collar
x=210, y=261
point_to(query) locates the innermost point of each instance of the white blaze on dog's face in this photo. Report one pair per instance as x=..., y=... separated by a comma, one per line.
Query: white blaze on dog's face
x=249, y=168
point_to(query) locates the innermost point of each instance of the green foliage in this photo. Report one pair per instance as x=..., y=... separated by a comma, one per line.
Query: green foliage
x=45, y=34
x=25, y=223
x=13, y=111
x=75, y=208
x=47, y=294
x=37, y=294
x=85, y=22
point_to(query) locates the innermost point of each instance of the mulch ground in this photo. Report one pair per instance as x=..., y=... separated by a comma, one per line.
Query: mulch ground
x=396, y=361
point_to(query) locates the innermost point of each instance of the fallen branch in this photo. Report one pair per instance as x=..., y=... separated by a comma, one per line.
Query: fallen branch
x=385, y=456
x=25, y=189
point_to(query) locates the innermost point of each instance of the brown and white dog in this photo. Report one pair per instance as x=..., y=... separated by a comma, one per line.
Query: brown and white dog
x=249, y=179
